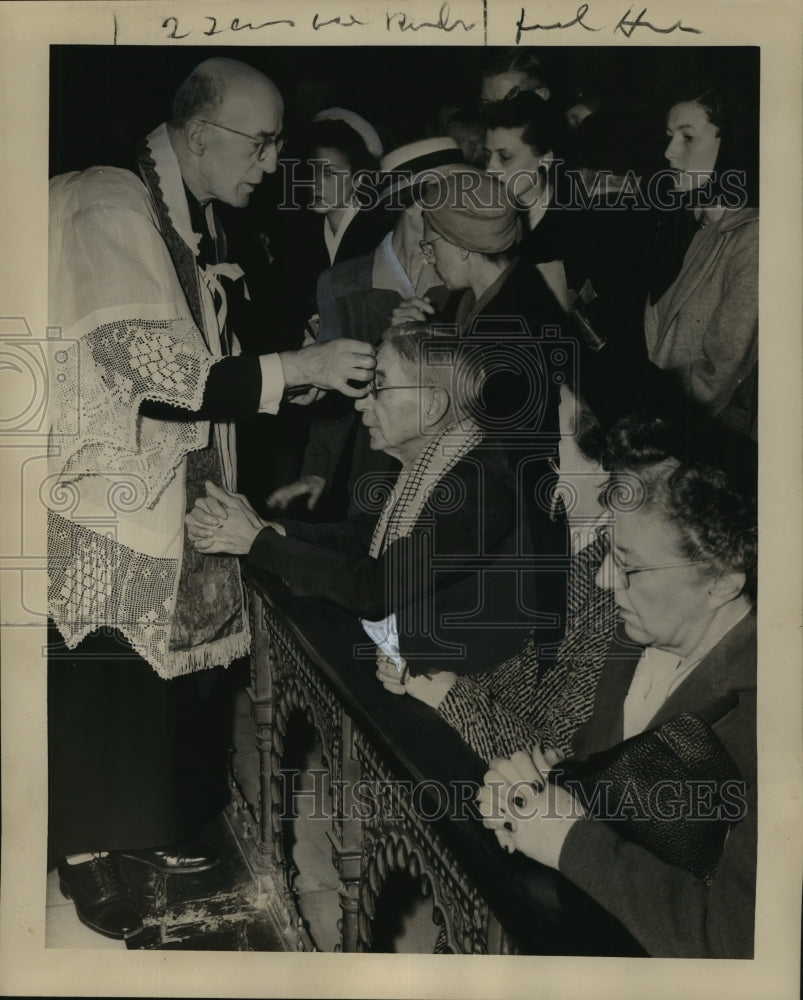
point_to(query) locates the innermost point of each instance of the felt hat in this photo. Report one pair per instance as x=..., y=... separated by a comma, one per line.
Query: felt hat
x=471, y=210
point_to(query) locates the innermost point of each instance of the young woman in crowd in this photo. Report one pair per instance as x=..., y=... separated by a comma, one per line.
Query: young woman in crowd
x=522, y=140
x=337, y=145
x=701, y=319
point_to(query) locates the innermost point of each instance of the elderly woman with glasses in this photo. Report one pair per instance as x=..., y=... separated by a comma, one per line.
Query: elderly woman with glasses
x=681, y=563
x=416, y=564
x=471, y=233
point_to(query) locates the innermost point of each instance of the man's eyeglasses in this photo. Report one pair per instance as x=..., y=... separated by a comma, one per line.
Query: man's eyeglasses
x=374, y=389
x=264, y=144
x=604, y=535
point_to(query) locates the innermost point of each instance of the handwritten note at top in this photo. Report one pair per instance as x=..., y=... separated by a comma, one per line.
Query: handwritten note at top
x=397, y=21
x=393, y=21
x=584, y=20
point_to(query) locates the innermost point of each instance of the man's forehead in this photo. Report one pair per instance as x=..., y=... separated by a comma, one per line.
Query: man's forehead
x=255, y=105
x=387, y=356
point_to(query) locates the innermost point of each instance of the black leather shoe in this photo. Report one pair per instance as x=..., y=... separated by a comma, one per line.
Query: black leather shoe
x=100, y=900
x=181, y=859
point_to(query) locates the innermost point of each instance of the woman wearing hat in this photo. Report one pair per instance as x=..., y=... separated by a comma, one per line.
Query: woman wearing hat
x=471, y=233
x=338, y=144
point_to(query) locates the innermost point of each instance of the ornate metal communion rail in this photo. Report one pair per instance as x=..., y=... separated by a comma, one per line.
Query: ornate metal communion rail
x=403, y=785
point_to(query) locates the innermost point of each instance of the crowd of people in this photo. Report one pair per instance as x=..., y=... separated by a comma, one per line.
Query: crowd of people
x=516, y=400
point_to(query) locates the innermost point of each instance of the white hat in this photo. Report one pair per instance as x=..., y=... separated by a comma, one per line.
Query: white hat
x=417, y=161
x=364, y=129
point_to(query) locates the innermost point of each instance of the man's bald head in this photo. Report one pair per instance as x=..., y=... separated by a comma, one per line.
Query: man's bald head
x=225, y=129
x=217, y=81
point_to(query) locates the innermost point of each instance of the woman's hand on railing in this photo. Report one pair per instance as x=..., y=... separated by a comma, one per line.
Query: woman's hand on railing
x=526, y=812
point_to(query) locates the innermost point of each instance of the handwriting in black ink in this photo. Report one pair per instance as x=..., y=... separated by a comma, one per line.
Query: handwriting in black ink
x=173, y=33
x=399, y=19
x=316, y=24
x=578, y=19
x=236, y=26
x=628, y=27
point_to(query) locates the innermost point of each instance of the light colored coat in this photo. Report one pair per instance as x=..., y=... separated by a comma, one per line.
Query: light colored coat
x=704, y=328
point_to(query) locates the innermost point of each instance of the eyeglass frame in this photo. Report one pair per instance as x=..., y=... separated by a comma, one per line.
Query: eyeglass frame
x=425, y=245
x=374, y=389
x=263, y=145
x=604, y=535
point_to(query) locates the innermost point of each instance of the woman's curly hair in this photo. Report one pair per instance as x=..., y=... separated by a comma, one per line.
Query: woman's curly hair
x=717, y=525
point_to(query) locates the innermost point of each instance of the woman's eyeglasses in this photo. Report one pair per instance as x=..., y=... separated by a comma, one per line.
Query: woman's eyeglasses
x=426, y=246
x=605, y=536
x=264, y=144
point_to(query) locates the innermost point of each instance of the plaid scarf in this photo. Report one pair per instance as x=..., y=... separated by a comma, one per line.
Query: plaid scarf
x=412, y=489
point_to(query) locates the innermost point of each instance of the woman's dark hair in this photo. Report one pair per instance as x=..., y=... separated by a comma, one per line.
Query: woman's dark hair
x=541, y=127
x=738, y=133
x=336, y=134
x=717, y=525
x=638, y=440
x=711, y=98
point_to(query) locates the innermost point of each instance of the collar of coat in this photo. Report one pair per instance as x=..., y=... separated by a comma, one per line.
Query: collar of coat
x=735, y=219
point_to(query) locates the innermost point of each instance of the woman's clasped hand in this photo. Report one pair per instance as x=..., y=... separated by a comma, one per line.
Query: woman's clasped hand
x=526, y=811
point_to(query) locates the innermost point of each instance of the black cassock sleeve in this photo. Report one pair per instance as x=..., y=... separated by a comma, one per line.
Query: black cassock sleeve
x=232, y=390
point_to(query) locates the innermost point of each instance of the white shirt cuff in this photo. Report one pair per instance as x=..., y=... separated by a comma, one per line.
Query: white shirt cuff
x=272, y=383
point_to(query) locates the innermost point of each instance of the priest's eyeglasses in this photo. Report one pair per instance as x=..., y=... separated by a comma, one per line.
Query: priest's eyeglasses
x=264, y=144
